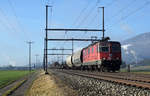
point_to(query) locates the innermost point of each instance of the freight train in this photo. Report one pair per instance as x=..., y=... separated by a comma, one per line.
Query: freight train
x=103, y=55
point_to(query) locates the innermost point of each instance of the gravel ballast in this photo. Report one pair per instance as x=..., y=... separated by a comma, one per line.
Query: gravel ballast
x=94, y=87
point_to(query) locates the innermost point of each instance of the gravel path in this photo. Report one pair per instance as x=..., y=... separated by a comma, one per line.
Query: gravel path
x=93, y=87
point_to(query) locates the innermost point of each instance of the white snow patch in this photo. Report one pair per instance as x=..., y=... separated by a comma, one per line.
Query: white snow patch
x=125, y=47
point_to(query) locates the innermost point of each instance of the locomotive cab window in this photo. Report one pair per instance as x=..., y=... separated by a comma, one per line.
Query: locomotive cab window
x=104, y=49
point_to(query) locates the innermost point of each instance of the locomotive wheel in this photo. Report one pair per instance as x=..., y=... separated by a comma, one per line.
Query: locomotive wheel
x=113, y=70
x=82, y=68
x=104, y=69
x=90, y=67
x=99, y=69
x=93, y=68
x=86, y=68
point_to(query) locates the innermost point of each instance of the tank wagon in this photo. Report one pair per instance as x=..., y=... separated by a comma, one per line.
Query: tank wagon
x=102, y=56
x=69, y=61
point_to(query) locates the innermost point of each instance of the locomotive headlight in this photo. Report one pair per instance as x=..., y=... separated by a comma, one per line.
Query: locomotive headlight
x=110, y=55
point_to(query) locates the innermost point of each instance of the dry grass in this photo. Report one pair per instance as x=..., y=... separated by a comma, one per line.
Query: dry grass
x=45, y=85
x=142, y=72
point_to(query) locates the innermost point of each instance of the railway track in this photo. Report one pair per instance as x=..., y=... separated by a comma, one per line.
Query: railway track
x=125, y=79
x=127, y=76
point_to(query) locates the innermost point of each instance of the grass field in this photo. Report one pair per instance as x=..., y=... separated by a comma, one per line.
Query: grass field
x=6, y=77
x=139, y=69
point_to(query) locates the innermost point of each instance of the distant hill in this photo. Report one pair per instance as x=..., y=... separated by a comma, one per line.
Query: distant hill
x=136, y=49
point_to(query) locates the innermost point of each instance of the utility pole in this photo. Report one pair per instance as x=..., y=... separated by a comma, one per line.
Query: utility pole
x=46, y=40
x=62, y=55
x=72, y=46
x=36, y=58
x=44, y=59
x=46, y=29
x=103, y=23
x=57, y=58
x=103, y=30
x=30, y=43
x=128, y=69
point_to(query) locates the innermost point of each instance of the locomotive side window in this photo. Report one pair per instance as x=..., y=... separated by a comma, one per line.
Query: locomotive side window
x=88, y=50
x=97, y=48
x=84, y=52
x=92, y=49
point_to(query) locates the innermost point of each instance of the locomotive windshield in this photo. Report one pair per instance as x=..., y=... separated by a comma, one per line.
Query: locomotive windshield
x=104, y=49
x=115, y=48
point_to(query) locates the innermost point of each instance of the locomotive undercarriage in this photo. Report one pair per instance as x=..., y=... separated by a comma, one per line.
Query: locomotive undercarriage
x=110, y=65
x=105, y=66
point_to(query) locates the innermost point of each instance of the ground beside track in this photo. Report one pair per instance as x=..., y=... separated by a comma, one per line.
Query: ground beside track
x=9, y=76
x=49, y=85
x=11, y=79
x=24, y=88
x=93, y=87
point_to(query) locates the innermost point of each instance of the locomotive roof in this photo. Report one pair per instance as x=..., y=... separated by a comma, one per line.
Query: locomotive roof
x=101, y=42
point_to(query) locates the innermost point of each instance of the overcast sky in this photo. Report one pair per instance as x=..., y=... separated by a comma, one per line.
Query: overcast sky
x=24, y=20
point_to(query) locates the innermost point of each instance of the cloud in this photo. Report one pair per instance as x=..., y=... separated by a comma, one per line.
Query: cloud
x=13, y=63
x=126, y=28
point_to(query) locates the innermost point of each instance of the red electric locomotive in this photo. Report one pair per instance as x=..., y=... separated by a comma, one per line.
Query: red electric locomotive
x=103, y=55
